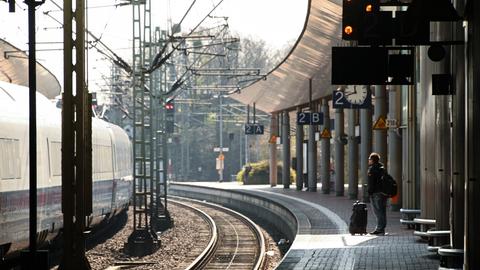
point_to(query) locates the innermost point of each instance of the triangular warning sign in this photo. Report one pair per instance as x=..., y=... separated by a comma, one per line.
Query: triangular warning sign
x=273, y=139
x=325, y=134
x=380, y=123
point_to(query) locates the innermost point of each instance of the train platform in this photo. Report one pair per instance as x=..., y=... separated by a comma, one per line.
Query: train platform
x=323, y=241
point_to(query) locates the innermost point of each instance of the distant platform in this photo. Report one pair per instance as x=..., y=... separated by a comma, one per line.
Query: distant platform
x=323, y=241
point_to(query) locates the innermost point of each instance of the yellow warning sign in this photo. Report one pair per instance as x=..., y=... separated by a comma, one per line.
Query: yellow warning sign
x=273, y=139
x=380, y=123
x=325, y=134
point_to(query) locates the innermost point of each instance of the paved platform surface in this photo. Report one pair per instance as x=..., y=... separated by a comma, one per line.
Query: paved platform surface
x=324, y=242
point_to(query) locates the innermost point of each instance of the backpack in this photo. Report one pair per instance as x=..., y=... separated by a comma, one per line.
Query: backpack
x=388, y=185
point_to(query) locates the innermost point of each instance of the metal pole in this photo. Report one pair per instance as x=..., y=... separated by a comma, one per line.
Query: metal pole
x=352, y=155
x=32, y=131
x=312, y=155
x=311, y=145
x=412, y=192
x=395, y=145
x=68, y=139
x=299, y=151
x=246, y=136
x=458, y=152
x=273, y=150
x=339, y=153
x=472, y=146
x=286, y=150
x=380, y=135
x=220, y=172
x=365, y=147
x=325, y=150
x=240, y=148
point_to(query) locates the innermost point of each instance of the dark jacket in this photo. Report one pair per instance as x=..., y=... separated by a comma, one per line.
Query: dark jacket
x=375, y=172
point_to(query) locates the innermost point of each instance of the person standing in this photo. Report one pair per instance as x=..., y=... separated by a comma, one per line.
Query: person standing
x=379, y=200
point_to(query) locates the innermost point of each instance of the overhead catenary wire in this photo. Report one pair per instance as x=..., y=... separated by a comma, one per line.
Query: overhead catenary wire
x=109, y=54
x=157, y=62
x=179, y=82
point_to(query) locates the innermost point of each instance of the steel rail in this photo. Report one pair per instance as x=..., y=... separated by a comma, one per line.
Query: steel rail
x=209, y=251
x=253, y=227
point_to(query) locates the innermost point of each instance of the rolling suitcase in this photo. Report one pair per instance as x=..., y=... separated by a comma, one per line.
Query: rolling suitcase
x=358, y=220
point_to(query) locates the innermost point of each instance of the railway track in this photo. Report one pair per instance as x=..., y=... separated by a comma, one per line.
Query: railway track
x=236, y=243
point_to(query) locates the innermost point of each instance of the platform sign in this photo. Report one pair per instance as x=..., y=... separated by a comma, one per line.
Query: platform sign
x=249, y=129
x=392, y=123
x=259, y=129
x=254, y=129
x=309, y=118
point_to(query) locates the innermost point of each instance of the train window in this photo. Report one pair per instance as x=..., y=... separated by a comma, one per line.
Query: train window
x=10, y=159
x=55, y=152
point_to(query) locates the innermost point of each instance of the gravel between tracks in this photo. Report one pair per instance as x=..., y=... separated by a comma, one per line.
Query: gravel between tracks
x=177, y=242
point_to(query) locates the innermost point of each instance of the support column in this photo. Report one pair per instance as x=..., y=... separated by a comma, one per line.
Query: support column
x=352, y=155
x=365, y=147
x=325, y=150
x=380, y=135
x=457, y=218
x=299, y=153
x=339, y=152
x=76, y=141
x=395, y=145
x=411, y=185
x=273, y=150
x=472, y=144
x=286, y=150
x=312, y=156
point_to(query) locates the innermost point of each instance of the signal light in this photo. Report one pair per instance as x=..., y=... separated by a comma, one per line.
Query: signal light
x=169, y=117
x=348, y=30
x=369, y=8
x=351, y=18
x=169, y=106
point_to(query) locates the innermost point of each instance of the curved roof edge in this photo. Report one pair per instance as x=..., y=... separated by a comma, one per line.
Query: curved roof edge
x=14, y=69
x=287, y=85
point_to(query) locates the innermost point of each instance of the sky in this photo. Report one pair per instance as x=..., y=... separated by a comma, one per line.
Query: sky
x=275, y=21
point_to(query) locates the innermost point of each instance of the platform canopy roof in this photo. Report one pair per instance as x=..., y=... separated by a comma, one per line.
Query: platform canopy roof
x=287, y=86
x=14, y=69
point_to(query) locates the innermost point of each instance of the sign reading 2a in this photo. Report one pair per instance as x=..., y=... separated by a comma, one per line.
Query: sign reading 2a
x=254, y=129
x=352, y=97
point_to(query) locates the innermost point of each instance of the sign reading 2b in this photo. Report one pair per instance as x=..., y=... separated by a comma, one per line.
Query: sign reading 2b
x=309, y=118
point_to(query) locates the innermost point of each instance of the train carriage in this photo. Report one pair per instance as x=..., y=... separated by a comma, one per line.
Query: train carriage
x=112, y=168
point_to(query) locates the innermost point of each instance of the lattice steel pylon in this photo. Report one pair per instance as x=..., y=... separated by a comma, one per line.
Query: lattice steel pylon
x=142, y=241
x=161, y=217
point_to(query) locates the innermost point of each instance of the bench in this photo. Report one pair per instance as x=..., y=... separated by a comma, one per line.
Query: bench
x=408, y=215
x=422, y=225
x=437, y=240
x=450, y=258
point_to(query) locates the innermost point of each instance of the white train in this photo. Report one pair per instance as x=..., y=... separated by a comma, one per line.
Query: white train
x=112, y=168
